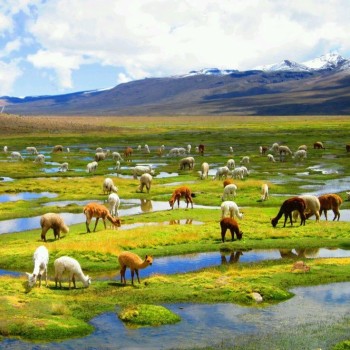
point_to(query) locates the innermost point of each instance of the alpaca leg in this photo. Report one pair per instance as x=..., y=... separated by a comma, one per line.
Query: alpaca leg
x=96, y=224
x=137, y=274
x=104, y=222
x=223, y=233
x=73, y=279
x=122, y=275
x=43, y=233
x=132, y=276
x=232, y=234
x=87, y=222
x=46, y=277
x=285, y=219
x=56, y=232
x=39, y=279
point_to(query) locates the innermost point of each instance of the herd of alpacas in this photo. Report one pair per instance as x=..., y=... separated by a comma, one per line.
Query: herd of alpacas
x=304, y=206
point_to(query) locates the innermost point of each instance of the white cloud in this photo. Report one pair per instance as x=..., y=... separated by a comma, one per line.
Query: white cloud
x=9, y=72
x=162, y=37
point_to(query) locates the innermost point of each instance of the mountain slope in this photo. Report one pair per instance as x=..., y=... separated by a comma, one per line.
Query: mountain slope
x=274, y=91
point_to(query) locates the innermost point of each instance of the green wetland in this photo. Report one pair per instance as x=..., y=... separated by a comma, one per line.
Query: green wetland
x=209, y=307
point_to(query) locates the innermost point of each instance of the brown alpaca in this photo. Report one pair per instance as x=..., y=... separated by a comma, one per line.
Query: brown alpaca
x=232, y=225
x=227, y=182
x=300, y=265
x=182, y=191
x=54, y=221
x=134, y=263
x=128, y=152
x=347, y=147
x=318, y=145
x=330, y=202
x=201, y=149
x=287, y=208
x=99, y=211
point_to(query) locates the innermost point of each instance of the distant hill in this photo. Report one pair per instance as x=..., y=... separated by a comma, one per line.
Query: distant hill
x=316, y=87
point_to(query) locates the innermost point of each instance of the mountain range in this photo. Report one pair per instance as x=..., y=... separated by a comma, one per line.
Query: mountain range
x=317, y=87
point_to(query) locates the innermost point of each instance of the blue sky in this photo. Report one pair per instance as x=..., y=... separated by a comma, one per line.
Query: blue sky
x=51, y=47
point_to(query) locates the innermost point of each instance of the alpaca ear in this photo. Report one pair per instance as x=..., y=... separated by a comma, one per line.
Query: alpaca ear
x=146, y=257
x=28, y=274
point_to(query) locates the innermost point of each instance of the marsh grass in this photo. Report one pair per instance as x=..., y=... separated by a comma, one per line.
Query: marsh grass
x=59, y=314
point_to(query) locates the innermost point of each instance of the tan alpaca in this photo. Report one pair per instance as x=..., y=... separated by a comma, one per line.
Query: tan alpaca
x=99, y=211
x=134, y=262
x=179, y=192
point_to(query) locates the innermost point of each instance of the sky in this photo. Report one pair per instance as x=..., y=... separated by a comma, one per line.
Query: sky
x=51, y=47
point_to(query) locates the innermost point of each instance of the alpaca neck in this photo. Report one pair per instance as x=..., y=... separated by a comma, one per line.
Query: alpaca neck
x=143, y=265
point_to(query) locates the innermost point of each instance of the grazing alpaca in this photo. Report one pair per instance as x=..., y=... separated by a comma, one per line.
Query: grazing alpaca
x=204, y=170
x=201, y=149
x=287, y=207
x=318, y=145
x=227, y=182
x=312, y=207
x=72, y=266
x=264, y=192
x=134, y=263
x=330, y=202
x=231, y=208
x=41, y=259
x=182, y=191
x=232, y=225
x=54, y=221
x=99, y=211
x=127, y=152
x=347, y=147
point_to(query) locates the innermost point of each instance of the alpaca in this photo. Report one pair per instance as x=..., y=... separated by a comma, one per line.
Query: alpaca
x=263, y=149
x=230, y=207
x=328, y=202
x=40, y=259
x=54, y=221
x=108, y=186
x=318, y=145
x=287, y=207
x=312, y=207
x=186, y=162
x=232, y=225
x=72, y=266
x=128, y=152
x=114, y=203
x=95, y=210
x=201, y=149
x=145, y=181
x=229, y=190
x=264, y=192
x=227, y=182
x=57, y=148
x=204, y=170
x=134, y=263
x=179, y=192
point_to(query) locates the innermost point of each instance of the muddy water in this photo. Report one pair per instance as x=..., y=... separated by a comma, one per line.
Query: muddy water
x=220, y=325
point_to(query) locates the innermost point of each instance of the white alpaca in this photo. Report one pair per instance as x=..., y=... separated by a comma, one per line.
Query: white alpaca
x=91, y=167
x=63, y=167
x=300, y=154
x=72, y=266
x=117, y=156
x=138, y=170
x=231, y=164
x=32, y=150
x=189, y=149
x=40, y=159
x=147, y=149
x=231, y=149
x=145, y=181
x=204, y=170
x=108, y=186
x=230, y=208
x=40, y=259
x=245, y=160
x=114, y=203
x=313, y=207
x=117, y=165
x=222, y=172
x=16, y=156
x=271, y=158
x=264, y=192
x=5, y=149
x=229, y=190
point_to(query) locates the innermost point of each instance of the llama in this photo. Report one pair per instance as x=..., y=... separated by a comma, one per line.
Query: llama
x=72, y=266
x=128, y=152
x=134, y=263
x=302, y=147
x=108, y=186
x=245, y=160
x=231, y=164
x=16, y=156
x=117, y=156
x=39, y=159
x=231, y=208
x=284, y=151
x=145, y=181
x=222, y=172
x=204, y=170
x=99, y=211
x=138, y=170
x=54, y=221
x=264, y=192
x=300, y=154
x=232, y=225
x=263, y=150
x=201, y=149
x=229, y=190
x=179, y=192
x=41, y=260
x=114, y=203
x=101, y=155
x=271, y=158
x=330, y=202
x=287, y=208
x=227, y=182
x=63, y=167
x=32, y=150
x=312, y=207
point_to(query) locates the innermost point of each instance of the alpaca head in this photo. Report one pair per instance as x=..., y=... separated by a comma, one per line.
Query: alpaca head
x=171, y=203
x=149, y=259
x=239, y=235
x=116, y=222
x=87, y=281
x=31, y=279
x=274, y=222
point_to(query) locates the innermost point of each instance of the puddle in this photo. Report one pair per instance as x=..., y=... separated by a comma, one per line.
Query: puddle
x=321, y=169
x=328, y=186
x=6, y=179
x=224, y=325
x=25, y=196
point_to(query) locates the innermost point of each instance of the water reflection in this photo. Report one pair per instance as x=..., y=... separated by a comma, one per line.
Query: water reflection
x=13, y=197
x=220, y=325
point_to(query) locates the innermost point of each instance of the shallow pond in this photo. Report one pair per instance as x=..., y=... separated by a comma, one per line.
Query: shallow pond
x=24, y=196
x=201, y=325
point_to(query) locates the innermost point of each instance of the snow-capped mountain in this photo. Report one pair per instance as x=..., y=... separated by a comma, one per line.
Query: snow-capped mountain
x=285, y=65
x=328, y=61
x=210, y=71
